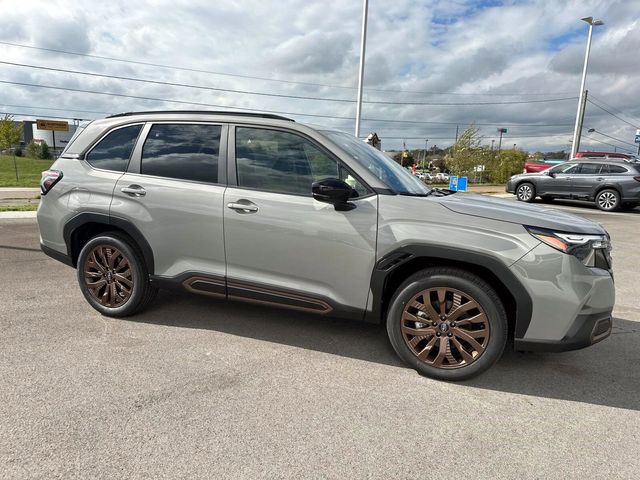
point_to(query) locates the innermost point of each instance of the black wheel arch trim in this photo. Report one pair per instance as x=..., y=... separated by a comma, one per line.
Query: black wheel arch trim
x=386, y=265
x=103, y=219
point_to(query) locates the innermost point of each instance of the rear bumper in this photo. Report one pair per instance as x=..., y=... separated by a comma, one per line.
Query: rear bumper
x=585, y=331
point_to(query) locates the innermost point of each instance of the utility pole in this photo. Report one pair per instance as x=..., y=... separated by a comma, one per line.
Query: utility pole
x=577, y=130
x=404, y=152
x=424, y=156
x=363, y=41
x=576, y=143
x=456, y=133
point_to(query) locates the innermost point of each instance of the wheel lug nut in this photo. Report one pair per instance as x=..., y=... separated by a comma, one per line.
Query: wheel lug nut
x=438, y=334
x=453, y=324
x=442, y=317
x=449, y=334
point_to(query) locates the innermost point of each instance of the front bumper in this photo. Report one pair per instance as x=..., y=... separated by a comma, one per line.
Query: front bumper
x=572, y=304
x=511, y=186
x=585, y=331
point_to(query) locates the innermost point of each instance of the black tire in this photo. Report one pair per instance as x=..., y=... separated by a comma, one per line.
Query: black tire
x=526, y=192
x=608, y=200
x=457, y=280
x=546, y=198
x=139, y=295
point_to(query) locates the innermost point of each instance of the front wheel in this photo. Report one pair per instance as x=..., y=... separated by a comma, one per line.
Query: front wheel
x=447, y=323
x=526, y=192
x=113, y=277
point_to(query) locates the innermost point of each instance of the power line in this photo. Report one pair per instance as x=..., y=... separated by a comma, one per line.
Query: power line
x=384, y=137
x=58, y=109
x=277, y=95
x=599, y=100
x=202, y=104
x=613, y=138
x=611, y=113
x=606, y=143
x=251, y=77
x=41, y=116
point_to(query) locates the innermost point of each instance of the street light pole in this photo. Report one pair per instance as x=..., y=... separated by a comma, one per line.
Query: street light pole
x=576, y=131
x=363, y=41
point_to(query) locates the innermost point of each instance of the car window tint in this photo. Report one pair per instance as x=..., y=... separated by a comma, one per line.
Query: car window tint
x=283, y=162
x=182, y=151
x=590, y=168
x=564, y=168
x=617, y=169
x=114, y=151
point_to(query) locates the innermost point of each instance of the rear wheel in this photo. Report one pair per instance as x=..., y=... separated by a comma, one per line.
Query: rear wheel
x=526, y=192
x=608, y=200
x=113, y=277
x=447, y=323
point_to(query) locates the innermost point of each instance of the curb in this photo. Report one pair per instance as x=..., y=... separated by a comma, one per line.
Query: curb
x=10, y=215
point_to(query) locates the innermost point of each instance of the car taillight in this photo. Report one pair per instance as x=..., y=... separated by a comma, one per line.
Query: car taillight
x=49, y=179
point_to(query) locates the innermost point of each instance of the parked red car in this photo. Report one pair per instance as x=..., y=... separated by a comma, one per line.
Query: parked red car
x=534, y=167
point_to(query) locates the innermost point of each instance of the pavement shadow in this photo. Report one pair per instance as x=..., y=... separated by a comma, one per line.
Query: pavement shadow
x=604, y=374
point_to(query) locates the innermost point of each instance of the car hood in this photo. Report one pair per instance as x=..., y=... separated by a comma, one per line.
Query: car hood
x=521, y=213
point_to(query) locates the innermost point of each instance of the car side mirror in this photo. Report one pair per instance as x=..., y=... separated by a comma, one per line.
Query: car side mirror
x=333, y=191
x=552, y=174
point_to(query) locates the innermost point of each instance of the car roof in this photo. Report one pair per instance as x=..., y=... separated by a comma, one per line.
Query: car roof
x=203, y=112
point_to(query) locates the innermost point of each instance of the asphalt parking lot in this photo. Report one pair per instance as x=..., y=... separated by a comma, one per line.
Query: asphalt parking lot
x=194, y=388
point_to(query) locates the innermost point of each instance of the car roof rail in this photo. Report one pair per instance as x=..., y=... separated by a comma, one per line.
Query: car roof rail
x=204, y=112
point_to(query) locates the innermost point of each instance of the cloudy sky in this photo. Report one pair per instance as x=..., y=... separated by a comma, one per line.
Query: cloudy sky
x=427, y=61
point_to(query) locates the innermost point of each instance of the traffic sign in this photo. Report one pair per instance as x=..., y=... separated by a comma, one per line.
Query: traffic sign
x=54, y=125
x=462, y=184
x=453, y=183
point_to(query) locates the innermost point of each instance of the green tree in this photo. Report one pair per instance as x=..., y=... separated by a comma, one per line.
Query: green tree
x=505, y=164
x=405, y=160
x=467, y=153
x=38, y=150
x=10, y=135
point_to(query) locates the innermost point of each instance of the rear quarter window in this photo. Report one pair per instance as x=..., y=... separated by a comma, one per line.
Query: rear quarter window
x=114, y=150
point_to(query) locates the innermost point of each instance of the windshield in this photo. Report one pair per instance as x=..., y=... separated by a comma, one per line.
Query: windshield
x=389, y=172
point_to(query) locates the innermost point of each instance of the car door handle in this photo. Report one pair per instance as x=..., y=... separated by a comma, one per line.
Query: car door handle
x=243, y=206
x=567, y=178
x=599, y=179
x=134, y=191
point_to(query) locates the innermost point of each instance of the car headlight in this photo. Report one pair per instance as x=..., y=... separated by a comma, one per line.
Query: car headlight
x=591, y=250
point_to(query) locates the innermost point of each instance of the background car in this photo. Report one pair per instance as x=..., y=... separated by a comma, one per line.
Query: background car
x=533, y=167
x=611, y=184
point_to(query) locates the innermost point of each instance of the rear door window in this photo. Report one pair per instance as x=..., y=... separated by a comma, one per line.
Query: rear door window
x=182, y=151
x=114, y=151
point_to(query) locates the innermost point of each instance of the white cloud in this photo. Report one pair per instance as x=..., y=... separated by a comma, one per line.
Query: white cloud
x=519, y=47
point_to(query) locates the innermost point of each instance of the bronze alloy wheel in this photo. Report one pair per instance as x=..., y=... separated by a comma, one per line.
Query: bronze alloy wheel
x=445, y=328
x=108, y=276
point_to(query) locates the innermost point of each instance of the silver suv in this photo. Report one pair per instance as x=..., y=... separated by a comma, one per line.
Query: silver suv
x=262, y=209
